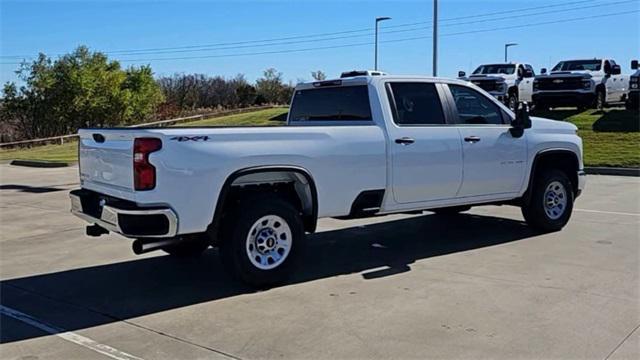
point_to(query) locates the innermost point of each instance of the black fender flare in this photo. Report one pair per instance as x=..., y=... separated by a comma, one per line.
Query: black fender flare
x=310, y=221
x=526, y=197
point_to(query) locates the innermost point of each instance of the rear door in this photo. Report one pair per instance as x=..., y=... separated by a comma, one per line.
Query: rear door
x=426, y=153
x=494, y=160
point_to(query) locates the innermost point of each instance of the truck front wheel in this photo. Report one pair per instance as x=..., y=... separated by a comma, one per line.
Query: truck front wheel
x=512, y=102
x=265, y=237
x=551, y=202
x=601, y=100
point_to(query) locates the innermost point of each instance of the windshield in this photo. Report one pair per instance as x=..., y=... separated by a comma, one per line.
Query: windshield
x=496, y=69
x=577, y=65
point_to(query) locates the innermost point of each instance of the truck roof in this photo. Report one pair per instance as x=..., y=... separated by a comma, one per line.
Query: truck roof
x=367, y=79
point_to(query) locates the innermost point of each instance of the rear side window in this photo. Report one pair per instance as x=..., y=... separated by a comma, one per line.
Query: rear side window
x=474, y=108
x=416, y=104
x=331, y=104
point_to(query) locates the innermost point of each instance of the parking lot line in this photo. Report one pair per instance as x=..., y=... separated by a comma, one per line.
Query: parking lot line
x=67, y=335
x=607, y=212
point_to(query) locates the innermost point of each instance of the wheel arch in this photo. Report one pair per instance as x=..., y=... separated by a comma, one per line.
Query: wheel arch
x=562, y=159
x=304, y=186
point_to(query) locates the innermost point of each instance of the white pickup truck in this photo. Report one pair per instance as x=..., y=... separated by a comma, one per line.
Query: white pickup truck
x=591, y=83
x=509, y=83
x=353, y=147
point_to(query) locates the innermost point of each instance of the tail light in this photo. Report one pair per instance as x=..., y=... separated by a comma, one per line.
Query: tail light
x=144, y=174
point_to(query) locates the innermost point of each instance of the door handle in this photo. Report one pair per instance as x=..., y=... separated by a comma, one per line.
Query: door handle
x=405, y=140
x=472, y=139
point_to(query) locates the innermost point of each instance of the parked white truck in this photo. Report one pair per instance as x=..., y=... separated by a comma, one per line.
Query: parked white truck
x=591, y=83
x=508, y=82
x=353, y=147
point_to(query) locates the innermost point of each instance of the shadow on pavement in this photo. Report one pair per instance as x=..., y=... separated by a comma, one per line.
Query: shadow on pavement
x=30, y=189
x=130, y=289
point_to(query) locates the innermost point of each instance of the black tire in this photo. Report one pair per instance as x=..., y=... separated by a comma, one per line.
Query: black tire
x=234, y=247
x=453, y=210
x=601, y=100
x=189, y=246
x=540, y=216
x=512, y=101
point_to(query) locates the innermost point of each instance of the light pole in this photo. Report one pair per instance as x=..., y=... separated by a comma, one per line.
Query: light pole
x=506, y=46
x=435, y=38
x=378, y=19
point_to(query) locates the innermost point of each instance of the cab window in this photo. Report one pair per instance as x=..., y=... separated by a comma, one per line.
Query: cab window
x=415, y=103
x=474, y=108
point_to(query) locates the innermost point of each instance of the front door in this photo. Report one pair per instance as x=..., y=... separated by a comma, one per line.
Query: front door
x=494, y=160
x=525, y=85
x=426, y=153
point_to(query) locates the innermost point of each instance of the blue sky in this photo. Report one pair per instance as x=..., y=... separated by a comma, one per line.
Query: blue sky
x=56, y=27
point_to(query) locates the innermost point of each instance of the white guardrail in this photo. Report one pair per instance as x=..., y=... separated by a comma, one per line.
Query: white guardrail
x=62, y=138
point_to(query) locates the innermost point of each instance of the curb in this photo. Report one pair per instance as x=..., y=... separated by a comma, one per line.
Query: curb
x=38, y=164
x=612, y=171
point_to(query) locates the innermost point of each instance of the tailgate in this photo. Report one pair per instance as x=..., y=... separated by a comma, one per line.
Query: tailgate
x=106, y=159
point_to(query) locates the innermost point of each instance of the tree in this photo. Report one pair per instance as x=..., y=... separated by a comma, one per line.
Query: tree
x=319, y=75
x=270, y=89
x=80, y=89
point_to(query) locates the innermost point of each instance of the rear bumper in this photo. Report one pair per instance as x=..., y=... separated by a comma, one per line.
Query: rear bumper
x=564, y=98
x=123, y=217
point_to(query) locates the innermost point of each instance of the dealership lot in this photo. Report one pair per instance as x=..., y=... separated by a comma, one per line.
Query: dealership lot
x=479, y=285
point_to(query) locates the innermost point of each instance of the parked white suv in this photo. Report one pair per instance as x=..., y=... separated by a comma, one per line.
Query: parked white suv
x=509, y=83
x=353, y=147
x=591, y=83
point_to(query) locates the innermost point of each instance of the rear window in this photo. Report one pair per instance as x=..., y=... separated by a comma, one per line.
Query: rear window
x=331, y=104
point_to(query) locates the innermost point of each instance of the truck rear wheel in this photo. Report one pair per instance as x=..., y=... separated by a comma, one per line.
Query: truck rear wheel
x=259, y=247
x=551, y=203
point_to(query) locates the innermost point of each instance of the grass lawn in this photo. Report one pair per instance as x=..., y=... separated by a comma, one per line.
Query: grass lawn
x=68, y=152
x=611, y=138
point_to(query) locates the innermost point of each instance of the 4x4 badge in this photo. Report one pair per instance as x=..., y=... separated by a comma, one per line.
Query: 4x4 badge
x=190, y=138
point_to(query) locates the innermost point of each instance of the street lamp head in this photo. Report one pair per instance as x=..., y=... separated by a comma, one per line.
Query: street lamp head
x=383, y=18
x=510, y=44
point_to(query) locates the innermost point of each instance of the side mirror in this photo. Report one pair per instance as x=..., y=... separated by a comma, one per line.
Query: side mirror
x=528, y=73
x=615, y=70
x=634, y=64
x=543, y=71
x=461, y=74
x=522, y=120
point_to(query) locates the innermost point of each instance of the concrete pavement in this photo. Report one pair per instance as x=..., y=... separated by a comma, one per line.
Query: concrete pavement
x=479, y=285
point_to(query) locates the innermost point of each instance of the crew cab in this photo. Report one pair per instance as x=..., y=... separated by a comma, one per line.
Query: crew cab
x=590, y=83
x=509, y=83
x=633, y=99
x=352, y=147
